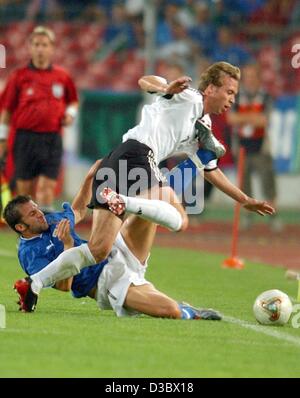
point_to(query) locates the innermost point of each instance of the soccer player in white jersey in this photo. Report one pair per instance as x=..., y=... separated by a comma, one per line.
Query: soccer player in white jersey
x=172, y=123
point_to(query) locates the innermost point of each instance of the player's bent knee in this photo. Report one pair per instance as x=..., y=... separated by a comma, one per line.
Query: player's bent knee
x=185, y=223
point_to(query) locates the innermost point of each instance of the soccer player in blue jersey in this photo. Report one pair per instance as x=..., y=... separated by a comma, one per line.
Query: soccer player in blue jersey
x=117, y=283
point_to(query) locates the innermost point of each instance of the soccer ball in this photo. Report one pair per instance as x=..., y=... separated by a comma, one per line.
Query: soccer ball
x=272, y=307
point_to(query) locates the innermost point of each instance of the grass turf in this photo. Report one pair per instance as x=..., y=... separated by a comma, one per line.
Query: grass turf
x=69, y=337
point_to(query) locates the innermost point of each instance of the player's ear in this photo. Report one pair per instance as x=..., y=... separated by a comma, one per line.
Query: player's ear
x=20, y=228
x=209, y=89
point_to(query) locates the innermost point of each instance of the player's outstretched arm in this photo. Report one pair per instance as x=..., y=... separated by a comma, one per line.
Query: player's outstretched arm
x=157, y=84
x=218, y=179
x=82, y=199
x=260, y=207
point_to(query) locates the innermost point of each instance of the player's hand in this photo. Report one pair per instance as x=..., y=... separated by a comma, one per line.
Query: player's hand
x=261, y=207
x=178, y=85
x=63, y=233
x=93, y=170
x=67, y=120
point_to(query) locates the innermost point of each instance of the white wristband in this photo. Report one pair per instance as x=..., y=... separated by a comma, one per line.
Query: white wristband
x=3, y=131
x=71, y=110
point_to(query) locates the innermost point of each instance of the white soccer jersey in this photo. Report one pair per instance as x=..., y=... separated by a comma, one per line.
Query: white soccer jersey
x=167, y=126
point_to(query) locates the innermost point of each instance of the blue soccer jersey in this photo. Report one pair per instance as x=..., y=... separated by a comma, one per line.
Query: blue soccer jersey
x=36, y=253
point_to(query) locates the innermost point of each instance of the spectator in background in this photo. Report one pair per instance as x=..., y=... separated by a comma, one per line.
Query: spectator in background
x=12, y=10
x=269, y=20
x=180, y=49
x=244, y=7
x=221, y=14
x=273, y=13
x=172, y=70
x=38, y=101
x=294, y=17
x=41, y=10
x=166, y=17
x=203, y=33
x=228, y=50
x=134, y=8
x=249, y=118
x=119, y=31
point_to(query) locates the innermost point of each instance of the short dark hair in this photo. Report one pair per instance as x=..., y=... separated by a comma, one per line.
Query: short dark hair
x=11, y=212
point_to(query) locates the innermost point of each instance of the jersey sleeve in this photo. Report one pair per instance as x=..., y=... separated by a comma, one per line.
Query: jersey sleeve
x=163, y=81
x=71, y=92
x=68, y=213
x=211, y=165
x=32, y=261
x=9, y=99
x=56, y=217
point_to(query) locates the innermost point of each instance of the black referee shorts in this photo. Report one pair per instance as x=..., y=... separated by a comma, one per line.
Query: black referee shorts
x=37, y=154
x=130, y=169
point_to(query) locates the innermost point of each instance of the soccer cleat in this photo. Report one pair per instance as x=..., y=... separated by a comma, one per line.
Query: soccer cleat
x=207, y=314
x=27, y=299
x=208, y=140
x=204, y=313
x=115, y=203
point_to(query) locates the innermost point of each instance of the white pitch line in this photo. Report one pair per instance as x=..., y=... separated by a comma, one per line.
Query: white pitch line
x=7, y=253
x=269, y=331
x=33, y=331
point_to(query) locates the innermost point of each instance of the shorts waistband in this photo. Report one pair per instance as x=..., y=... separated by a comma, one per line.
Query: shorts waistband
x=138, y=143
x=24, y=131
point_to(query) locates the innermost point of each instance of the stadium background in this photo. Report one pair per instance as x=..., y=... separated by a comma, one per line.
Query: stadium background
x=107, y=45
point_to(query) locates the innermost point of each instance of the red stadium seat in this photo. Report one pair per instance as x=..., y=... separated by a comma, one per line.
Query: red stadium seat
x=62, y=28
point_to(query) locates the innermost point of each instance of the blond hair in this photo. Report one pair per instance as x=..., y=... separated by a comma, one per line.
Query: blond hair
x=42, y=30
x=215, y=72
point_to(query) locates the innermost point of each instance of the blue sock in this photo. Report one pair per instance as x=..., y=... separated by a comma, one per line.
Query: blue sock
x=187, y=170
x=186, y=311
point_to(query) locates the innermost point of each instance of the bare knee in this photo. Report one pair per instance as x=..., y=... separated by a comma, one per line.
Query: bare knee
x=185, y=222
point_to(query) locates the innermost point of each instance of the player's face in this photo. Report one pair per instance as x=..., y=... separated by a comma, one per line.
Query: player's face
x=41, y=51
x=33, y=219
x=222, y=98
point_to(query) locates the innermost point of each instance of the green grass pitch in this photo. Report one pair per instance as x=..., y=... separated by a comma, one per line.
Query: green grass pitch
x=69, y=337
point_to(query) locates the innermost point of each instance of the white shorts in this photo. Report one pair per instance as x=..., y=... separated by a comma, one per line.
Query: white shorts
x=122, y=270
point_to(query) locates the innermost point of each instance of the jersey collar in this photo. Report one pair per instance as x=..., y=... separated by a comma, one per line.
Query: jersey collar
x=31, y=66
x=34, y=237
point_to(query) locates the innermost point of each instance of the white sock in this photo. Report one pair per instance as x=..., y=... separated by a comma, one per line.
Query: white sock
x=157, y=211
x=67, y=264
